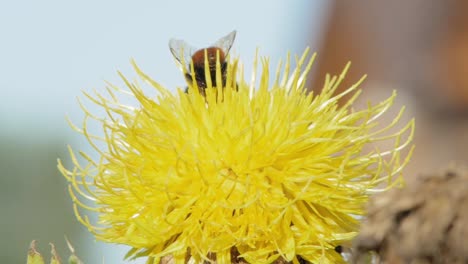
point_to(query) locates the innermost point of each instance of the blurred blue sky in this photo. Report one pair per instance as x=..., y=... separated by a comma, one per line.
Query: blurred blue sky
x=51, y=50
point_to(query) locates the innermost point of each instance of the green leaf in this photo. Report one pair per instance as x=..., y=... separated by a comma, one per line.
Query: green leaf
x=73, y=259
x=54, y=259
x=33, y=256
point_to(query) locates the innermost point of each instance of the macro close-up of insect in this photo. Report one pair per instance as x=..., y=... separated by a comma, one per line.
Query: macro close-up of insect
x=185, y=54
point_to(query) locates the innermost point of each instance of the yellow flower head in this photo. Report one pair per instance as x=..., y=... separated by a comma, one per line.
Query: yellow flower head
x=269, y=171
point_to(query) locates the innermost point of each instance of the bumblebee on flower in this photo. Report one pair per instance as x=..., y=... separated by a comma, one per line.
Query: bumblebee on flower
x=269, y=173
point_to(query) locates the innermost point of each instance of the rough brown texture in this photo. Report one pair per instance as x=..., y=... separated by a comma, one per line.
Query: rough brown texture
x=425, y=222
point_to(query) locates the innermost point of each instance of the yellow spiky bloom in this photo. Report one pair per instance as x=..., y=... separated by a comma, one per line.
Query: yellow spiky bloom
x=271, y=171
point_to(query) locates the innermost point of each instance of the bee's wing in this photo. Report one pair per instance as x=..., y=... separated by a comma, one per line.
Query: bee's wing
x=225, y=43
x=182, y=52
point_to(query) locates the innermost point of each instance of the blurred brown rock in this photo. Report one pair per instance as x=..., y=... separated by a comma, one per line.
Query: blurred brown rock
x=425, y=222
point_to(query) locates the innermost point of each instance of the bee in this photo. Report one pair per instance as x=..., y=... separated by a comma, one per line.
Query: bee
x=186, y=54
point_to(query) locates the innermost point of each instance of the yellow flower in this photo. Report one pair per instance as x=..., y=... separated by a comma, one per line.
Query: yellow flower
x=271, y=171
